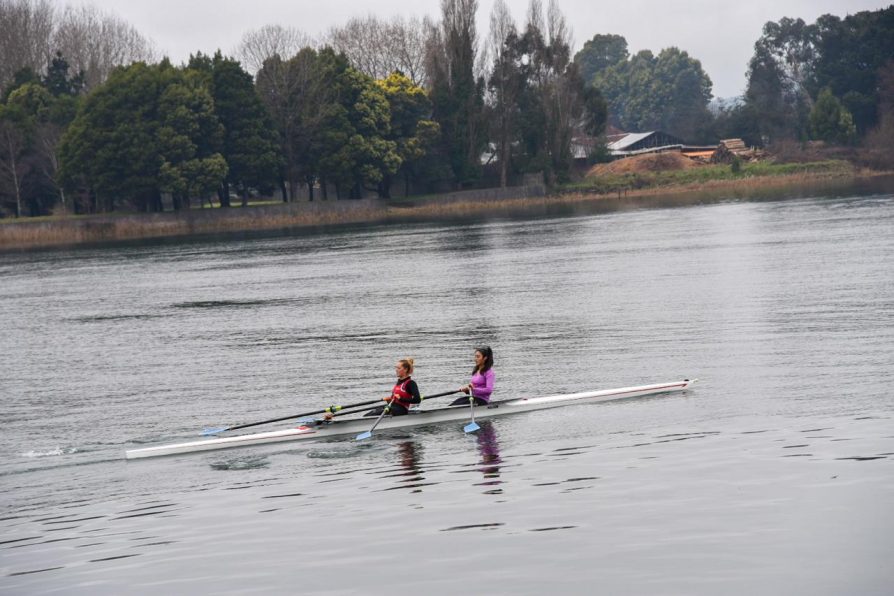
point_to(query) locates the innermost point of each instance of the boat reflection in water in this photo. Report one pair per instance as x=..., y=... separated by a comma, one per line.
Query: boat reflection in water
x=489, y=466
x=410, y=474
x=409, y=455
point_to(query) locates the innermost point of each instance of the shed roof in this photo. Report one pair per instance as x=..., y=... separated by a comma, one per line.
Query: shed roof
x=628, y=140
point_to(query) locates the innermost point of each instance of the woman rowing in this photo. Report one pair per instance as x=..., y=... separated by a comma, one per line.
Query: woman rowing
x=404, y=394
x=481, y=385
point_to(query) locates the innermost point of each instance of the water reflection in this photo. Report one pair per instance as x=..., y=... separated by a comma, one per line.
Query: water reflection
x=409, y=457
x=489, y=466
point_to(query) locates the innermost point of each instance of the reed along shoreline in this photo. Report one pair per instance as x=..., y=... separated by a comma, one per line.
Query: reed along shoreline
x=530, y=201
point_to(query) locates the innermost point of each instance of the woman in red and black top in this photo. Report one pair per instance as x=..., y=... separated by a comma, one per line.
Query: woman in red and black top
x=404, y=393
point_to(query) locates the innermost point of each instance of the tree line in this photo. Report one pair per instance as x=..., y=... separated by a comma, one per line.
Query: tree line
x=409, y=102
x=92, y=122
x=829, y=80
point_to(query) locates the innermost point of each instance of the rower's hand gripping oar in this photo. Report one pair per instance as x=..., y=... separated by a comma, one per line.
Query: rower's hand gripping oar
x=386, y=409
x=329, y=410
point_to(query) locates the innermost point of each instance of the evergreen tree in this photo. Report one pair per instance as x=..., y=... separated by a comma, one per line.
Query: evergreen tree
x=830, y=121
x=411, y=129
x=668, y=92
x=147, y=130
x=249, y=143
x=777, y=77
x=356, y=153
x=599, y=53
x=850, y=54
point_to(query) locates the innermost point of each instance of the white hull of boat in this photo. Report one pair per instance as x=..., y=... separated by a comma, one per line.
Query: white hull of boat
x=423, y=417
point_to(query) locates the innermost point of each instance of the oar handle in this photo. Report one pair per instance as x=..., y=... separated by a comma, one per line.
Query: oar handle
x=323, y=411
x=328, y=410
x=346, y=410
x=424, y=397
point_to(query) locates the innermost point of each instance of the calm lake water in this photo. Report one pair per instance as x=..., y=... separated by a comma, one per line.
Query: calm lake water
x=773, y=475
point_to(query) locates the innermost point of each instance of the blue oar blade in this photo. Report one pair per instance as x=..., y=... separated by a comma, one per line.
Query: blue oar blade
x=362, y=436
x=471, y=427
x=214, y=431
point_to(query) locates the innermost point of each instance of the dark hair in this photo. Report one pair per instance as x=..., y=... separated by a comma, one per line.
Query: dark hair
x=488, y=359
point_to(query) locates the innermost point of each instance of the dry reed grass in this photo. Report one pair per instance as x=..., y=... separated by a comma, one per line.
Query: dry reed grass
x=97, y=229
x=25, y=235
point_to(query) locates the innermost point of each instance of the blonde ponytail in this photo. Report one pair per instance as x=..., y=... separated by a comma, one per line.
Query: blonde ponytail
x=408, y=364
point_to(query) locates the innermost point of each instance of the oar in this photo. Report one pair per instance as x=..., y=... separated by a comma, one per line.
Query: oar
x=369, y=433
x=330, y=409
x=348, y=410
x=472, y=426
x=385, y=410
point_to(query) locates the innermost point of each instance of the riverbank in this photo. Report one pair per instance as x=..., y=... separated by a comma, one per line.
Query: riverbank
x=660, y=189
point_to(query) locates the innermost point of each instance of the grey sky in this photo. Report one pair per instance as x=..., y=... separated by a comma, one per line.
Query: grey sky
x=720, y=34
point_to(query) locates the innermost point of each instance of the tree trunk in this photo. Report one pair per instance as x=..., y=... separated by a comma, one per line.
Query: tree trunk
x=285, y=193
x=224, y=194
x=13, y=170
x=504, y=163
x=15, y=179
x=293, y=188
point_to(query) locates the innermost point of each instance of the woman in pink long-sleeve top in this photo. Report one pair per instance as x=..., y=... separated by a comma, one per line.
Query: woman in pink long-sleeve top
x=481, y=385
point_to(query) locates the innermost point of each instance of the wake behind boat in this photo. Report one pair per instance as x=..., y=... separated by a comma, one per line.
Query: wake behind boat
x=319, y=429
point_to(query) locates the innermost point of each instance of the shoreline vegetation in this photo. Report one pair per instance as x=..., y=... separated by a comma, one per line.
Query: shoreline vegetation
x=603, y=193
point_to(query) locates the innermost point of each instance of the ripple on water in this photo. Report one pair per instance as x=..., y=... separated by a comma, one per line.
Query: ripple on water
x=241, y=463
x=50, y=452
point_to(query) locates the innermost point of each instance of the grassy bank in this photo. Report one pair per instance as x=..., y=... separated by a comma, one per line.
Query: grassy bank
x=599, y=194
x=710, y=176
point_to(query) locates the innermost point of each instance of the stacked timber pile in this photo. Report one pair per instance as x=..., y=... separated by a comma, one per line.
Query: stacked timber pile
x=728, y=149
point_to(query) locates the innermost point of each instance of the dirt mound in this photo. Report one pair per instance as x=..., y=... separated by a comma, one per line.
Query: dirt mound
x=650, y=162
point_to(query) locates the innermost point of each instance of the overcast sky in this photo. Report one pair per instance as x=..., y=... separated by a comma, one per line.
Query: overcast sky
x=720, y=34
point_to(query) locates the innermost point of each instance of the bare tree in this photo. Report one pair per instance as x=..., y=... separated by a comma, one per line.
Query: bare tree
x=32, y=31
x=13, y=165
x=48, y=136
x=94, y=43
x=535, y=16
x=378, y=48
x=503, y=84
x=557, y=27
x=269, y=41
x=298, y=96
x=456, y=91
x=556, y=80
x=26, y=29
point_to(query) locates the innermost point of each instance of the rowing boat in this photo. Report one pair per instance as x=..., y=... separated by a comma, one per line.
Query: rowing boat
x=319, y=429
